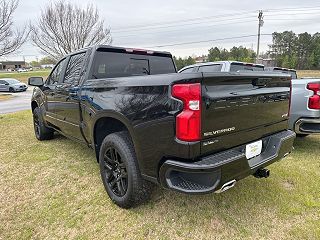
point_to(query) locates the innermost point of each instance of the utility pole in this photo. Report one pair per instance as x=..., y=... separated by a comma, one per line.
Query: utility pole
x=260, y=17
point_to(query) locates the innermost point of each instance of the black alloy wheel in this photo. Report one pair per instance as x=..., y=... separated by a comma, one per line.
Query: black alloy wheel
x=36, y=124
x=116, y=172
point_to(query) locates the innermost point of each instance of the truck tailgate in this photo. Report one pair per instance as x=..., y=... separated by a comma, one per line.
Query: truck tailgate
x=242, y=107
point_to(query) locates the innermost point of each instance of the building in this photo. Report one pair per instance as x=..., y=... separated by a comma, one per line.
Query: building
x=267, y=62
x=9, y=65
x=200, y=59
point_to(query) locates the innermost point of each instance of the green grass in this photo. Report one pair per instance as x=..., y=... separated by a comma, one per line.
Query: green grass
x=23, y=77
x=53, y=190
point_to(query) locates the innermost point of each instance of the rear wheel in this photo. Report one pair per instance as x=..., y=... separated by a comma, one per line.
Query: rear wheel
x=41, y=131
x=120, y=172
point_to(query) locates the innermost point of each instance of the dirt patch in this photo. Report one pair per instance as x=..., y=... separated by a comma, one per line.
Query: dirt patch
x=4, y=97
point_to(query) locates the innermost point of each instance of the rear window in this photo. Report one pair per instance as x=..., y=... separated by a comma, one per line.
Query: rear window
x=188, y=70
x=238, y=67
x=292, y=73
x=211, y=68
x=120, y=64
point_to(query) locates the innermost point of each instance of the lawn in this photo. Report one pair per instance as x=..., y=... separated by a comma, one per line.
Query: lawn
x=23, y=77
x=4, y=97
x=52, y=190
x=309, y=73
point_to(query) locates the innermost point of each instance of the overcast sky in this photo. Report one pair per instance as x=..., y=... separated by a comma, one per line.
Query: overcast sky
x=150, y=23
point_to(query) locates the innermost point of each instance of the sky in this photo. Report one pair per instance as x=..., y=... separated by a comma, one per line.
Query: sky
x=173, y=25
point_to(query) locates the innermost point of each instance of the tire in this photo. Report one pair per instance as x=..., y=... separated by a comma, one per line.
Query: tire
x=41, y=131
x=11, y=90
x=120, y=173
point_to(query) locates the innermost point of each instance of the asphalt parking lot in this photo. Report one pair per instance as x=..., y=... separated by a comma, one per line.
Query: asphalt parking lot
x=20, y=101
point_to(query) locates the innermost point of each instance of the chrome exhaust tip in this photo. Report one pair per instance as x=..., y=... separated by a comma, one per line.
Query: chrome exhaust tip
x=226, y=186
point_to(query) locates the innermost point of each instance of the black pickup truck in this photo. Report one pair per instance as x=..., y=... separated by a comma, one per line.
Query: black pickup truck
x=190, y=132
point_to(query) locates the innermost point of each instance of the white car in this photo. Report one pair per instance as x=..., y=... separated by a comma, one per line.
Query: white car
x=22, y=70
x=12, y=85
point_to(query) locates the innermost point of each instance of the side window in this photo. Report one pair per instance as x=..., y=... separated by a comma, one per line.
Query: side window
x=74, y=67
x=56, y=73
x=188, y=70
x=2, y=82
x=211, y=68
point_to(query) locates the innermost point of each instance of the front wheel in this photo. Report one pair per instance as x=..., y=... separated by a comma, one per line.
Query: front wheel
x=11, y=90
x=120, y=172
x=41, y=131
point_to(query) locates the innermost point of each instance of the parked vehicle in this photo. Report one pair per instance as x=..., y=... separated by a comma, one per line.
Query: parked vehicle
x=193, y=133
x=20, y=70
x=291, y=72
x=305, y=105
x=222, y=66
x=12, y=85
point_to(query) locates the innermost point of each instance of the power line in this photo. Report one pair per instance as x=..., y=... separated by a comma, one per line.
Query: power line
x=212, y=25
x=134, y=27
x=178, y=25
x=291, y=9
x=186, y=20
x=204, y=41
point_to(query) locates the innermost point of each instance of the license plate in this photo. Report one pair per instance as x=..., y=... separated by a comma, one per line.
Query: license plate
x=253, y=149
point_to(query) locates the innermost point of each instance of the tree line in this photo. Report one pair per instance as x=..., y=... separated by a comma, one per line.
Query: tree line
x=299, y=51
x=241, y=53
x=288, y=50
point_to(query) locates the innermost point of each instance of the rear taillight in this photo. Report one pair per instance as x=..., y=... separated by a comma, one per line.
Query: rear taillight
x=314, y=101
x=188, y=122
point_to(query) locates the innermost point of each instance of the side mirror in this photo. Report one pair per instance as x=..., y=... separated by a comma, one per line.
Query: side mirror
x=7, y=84
x=35, y=81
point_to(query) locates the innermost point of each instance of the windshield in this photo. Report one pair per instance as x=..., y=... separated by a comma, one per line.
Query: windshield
x=236, y=67
x=119, y=64
x=12, y=81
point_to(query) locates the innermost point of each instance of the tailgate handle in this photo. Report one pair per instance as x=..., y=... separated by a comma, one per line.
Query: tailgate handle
x=261, y=82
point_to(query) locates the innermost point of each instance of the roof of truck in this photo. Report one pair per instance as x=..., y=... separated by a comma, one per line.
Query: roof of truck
x=127, y=49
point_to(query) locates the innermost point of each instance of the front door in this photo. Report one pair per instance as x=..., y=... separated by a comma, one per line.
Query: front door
x=49, y=91
x=4, y=86
x=67, y=97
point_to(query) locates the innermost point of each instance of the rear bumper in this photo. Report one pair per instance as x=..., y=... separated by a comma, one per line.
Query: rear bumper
x=212, y=172
x=307, y=126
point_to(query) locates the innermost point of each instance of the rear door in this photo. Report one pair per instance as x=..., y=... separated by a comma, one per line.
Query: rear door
x=67, y=100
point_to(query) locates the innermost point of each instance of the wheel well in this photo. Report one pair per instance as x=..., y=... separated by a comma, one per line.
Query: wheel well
x=106, y=126
x=34, y=104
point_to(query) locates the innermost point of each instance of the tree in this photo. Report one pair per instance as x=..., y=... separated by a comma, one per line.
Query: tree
x=63, y=28
x=10, y=39
x=34, y=64
x=47, y=60
x=214, y=54
x=181, y=63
